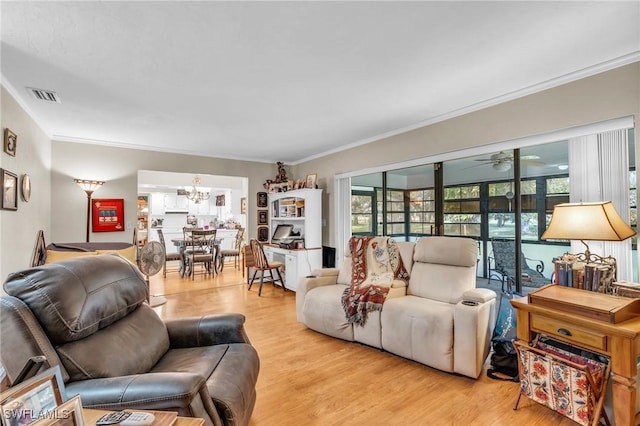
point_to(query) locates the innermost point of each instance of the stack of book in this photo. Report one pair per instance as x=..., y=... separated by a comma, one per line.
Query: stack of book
x=592, y=276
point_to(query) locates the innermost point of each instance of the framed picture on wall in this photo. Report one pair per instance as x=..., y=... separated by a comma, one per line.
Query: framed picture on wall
x=10, y=142
x=262, y=217
x=9, y=190
x=262, y=200
x=263, y=234
x=243, y=205
x=107, y=214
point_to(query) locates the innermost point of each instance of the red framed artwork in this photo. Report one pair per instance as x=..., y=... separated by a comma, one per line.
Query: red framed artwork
x=107, y=214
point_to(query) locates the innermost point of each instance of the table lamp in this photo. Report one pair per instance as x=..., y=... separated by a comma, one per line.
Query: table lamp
x=598, y=221
x=88, y=186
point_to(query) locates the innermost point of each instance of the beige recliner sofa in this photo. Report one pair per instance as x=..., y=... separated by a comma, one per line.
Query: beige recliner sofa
x=439, y=319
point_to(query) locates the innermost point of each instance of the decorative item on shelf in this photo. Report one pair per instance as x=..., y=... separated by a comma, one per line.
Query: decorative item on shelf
x=598, y=221
x=311, y=181
x=281, y=183
x=196, y=193
x=9, y=190
x=10, y=142
x=626, y=289
x=88, y=186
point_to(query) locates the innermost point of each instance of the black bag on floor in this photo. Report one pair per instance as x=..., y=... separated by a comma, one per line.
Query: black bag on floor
x=504, y=360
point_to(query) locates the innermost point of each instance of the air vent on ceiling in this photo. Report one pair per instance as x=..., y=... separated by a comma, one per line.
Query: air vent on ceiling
x=45, y=95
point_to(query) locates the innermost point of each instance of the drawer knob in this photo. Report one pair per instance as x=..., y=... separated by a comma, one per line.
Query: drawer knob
x=564, y=332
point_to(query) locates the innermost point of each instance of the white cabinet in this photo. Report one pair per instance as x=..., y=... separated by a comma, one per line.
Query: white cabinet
x=157, y=203
x=301, y=208
x=297, y=263
x=200, y=209
x=175, y=202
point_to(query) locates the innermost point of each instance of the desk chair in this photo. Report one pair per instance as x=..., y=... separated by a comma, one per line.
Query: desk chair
x=262, y=264
x=168, y=257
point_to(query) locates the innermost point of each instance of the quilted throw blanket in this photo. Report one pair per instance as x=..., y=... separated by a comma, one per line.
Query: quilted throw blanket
x=375, y=263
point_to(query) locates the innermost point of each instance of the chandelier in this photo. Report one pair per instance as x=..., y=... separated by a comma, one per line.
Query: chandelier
x=197, y=193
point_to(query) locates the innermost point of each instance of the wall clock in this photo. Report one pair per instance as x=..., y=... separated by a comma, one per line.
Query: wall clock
x=26, y=188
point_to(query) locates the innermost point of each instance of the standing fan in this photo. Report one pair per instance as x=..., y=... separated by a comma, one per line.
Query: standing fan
x=151, y=262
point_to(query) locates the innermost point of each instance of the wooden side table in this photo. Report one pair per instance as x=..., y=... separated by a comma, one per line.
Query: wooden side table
x=162, y=418
x=593, y=321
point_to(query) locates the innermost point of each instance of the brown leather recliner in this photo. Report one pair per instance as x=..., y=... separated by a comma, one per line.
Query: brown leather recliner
x=88, y=315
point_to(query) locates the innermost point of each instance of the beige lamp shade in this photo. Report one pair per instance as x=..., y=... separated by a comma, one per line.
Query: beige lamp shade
x=88, y=185
x=587, y=221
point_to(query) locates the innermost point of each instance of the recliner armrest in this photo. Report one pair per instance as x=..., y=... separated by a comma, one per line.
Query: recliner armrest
x=479, y=295
x=150, y=391
x=320, y=278
x=207, y=330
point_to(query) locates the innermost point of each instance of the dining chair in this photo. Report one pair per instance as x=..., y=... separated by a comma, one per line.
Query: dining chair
x=203, y=250
x=168, y=257
x=235, y=251
x=260, y=263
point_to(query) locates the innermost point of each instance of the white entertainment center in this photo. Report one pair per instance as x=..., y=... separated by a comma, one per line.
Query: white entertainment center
x=301, y=208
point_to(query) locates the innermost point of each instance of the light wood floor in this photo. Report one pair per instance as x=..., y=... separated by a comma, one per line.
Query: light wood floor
x=307, y=378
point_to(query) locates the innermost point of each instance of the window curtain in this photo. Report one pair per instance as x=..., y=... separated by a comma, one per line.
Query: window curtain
x=342, y=216
x=599, y=171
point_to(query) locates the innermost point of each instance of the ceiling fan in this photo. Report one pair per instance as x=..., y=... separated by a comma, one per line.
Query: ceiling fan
x=502, y=161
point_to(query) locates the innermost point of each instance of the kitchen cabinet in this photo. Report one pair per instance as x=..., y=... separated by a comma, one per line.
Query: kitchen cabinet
x=175, y=202
x=157, y=204
x=200, y=209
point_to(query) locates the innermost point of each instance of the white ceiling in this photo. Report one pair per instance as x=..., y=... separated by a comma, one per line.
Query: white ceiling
x=288, y=81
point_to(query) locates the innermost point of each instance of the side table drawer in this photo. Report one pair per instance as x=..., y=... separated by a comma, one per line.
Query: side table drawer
x=569, y=333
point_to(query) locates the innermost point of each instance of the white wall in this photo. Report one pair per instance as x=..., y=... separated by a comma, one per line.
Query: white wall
x=18, y=229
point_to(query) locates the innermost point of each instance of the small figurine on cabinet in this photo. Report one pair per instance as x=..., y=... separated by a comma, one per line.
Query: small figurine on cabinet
x=281, y=181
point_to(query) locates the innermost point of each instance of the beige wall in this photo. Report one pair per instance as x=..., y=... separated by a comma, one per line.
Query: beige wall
x=605, y=96
x=18, y=229
x=119, y=169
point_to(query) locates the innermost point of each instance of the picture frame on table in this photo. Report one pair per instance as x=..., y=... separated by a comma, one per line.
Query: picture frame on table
x=262, y=201
x=10, y=142
x=311, y=180
x=107, y=214
x=68, y=414
x=25, y=402
x=9, y=190
x=263, y=234
x=40, y=251
x=263, y=218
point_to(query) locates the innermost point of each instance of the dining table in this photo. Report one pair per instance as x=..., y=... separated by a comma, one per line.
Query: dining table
x=185, y=268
